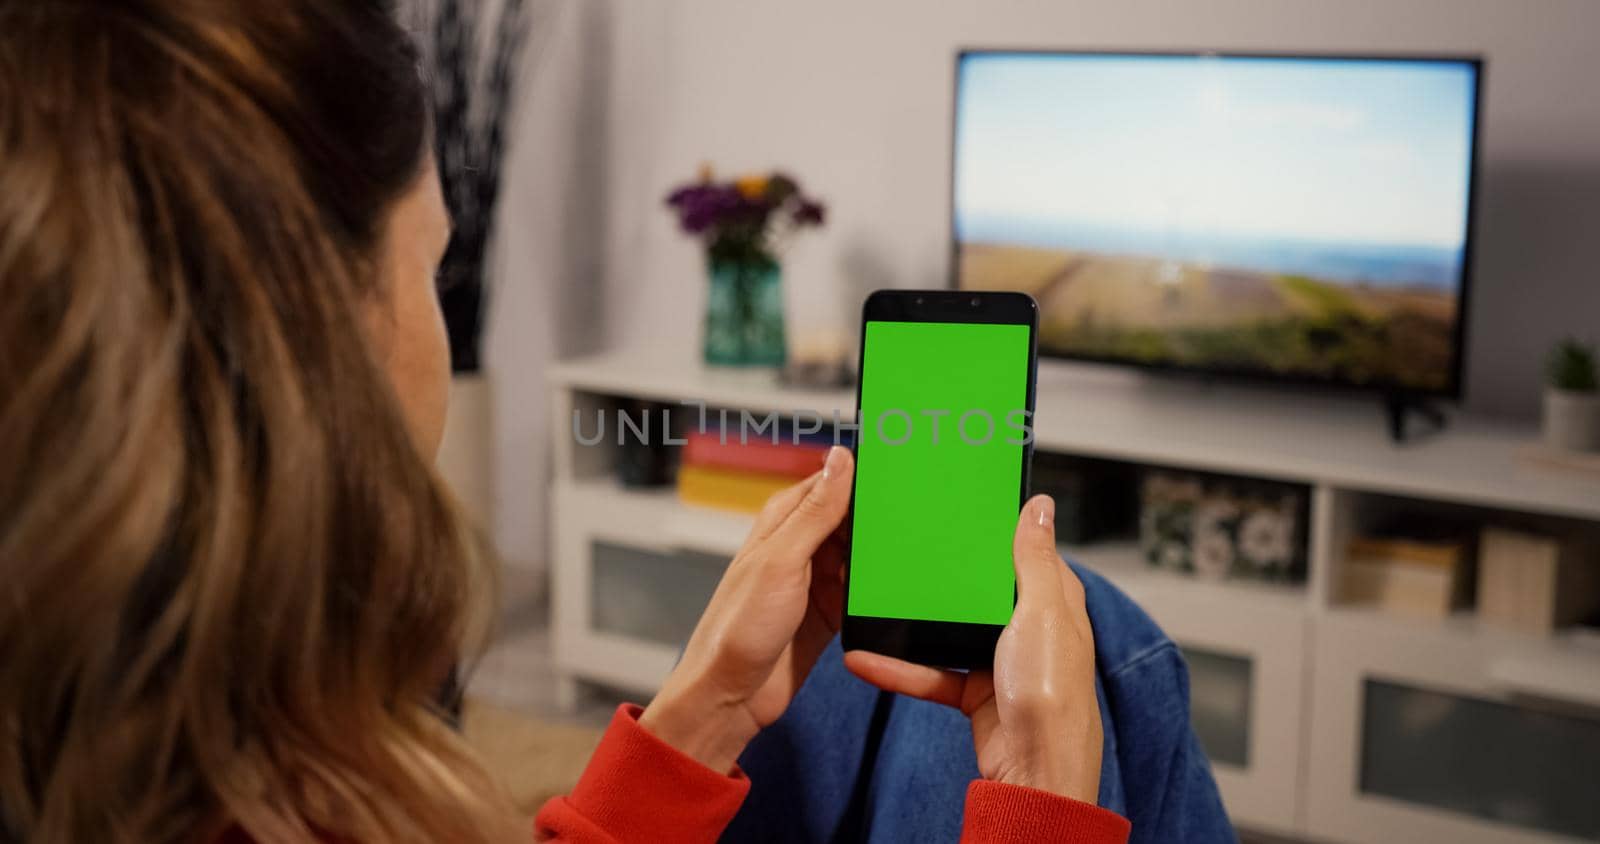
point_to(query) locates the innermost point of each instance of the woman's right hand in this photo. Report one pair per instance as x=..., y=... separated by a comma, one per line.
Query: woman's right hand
x=1035, y=720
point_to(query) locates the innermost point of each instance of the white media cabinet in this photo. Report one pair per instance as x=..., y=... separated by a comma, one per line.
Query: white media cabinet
x=1312, y=684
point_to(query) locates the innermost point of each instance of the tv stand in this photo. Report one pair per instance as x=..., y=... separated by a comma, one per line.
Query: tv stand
x=631, y=567
x=1397, y=407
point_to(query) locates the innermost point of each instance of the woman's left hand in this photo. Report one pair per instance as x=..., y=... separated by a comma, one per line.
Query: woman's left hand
x=778, y=605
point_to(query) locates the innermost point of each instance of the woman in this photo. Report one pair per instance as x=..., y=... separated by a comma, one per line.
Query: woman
x=231, y=581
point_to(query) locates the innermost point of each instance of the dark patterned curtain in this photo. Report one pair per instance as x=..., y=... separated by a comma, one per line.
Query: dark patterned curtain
x=473, y=51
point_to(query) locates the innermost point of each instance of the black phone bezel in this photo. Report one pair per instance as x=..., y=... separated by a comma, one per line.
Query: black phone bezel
x=940, y=643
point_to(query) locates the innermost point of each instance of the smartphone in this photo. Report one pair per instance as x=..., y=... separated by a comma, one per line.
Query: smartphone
x=945, y=409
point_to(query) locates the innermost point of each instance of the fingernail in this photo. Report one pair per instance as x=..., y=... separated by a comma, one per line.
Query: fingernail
x=1047, y=509
x=834, y=462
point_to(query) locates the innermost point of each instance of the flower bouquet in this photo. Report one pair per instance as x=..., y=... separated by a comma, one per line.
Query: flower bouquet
x=743, y=225
x=1218, y=528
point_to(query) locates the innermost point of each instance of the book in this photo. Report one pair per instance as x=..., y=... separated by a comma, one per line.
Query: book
x=760, y=456
x=728, y=489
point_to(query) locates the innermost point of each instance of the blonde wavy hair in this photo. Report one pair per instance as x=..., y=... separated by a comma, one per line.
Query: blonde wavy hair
x=230, y=584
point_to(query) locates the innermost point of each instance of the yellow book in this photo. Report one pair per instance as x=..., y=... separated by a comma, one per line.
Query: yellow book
x=728, y=489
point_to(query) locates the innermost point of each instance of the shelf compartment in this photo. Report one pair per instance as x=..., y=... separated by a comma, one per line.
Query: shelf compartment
x=648, y=595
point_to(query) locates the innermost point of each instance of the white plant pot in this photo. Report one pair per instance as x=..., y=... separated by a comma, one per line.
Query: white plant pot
x=466, y=451
x=1571, y=420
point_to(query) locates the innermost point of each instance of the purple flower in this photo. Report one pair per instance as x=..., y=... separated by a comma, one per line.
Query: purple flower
x=737, y=216
x=701, y=207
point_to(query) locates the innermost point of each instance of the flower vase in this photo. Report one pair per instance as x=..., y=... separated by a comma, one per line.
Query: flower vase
x=744, y=313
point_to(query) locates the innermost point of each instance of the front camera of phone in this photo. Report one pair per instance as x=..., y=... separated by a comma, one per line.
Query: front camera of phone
x=974, y=301
x=919, y=300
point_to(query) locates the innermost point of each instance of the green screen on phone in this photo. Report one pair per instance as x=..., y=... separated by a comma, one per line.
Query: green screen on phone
x=939, y=471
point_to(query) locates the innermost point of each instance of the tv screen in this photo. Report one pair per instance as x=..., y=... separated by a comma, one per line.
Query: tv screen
x=1298, y=218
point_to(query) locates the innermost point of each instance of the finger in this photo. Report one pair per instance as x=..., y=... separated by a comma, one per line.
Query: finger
x=918, y=681
x=800, y=655
x=1076, y=600
x=822, y=507
x=809, y=642
x=779, y=506
x=832, y=555
x=1034, y=553
x=842, y=535
x=827, y=603
x=1072, y=588
x=827, y=582
x=979, y=691
x=825, y=608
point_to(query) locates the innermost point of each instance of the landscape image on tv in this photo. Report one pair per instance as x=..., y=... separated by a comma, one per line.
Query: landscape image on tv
x=1296, y=217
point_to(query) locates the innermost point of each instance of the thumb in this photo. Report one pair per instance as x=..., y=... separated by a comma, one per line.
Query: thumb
x=1034, y=553
x=822, y=508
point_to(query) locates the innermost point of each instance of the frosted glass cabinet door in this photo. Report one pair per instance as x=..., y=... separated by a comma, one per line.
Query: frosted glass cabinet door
x=1220, y=687
x=1491, y=760
x=650, y=595
x=1414, y=738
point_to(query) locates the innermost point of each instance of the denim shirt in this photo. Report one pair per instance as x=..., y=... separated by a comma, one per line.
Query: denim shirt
x=847, y=762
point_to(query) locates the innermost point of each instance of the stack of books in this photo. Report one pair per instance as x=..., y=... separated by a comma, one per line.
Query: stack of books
x=719, y=471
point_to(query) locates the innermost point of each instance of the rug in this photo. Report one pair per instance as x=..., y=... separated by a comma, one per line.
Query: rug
x=534, y=759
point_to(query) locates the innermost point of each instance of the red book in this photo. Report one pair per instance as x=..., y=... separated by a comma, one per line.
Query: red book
x=755, y=455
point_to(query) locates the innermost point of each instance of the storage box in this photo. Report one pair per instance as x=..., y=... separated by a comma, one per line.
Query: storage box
x=1536, y=583
x=1406, y=576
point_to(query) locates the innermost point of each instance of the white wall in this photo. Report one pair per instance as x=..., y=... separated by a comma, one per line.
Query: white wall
x=854, y=97
x=546, y=293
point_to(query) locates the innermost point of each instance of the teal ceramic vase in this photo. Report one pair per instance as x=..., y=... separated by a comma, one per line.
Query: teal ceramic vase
x=744, y=313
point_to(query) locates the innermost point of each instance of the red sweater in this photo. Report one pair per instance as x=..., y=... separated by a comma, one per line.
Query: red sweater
x=639, y=788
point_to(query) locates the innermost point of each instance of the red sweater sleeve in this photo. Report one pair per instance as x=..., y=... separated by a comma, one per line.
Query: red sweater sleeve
x=997, y=812
x=639, y=788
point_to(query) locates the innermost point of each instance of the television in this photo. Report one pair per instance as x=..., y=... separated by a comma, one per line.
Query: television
x=1295, y=218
